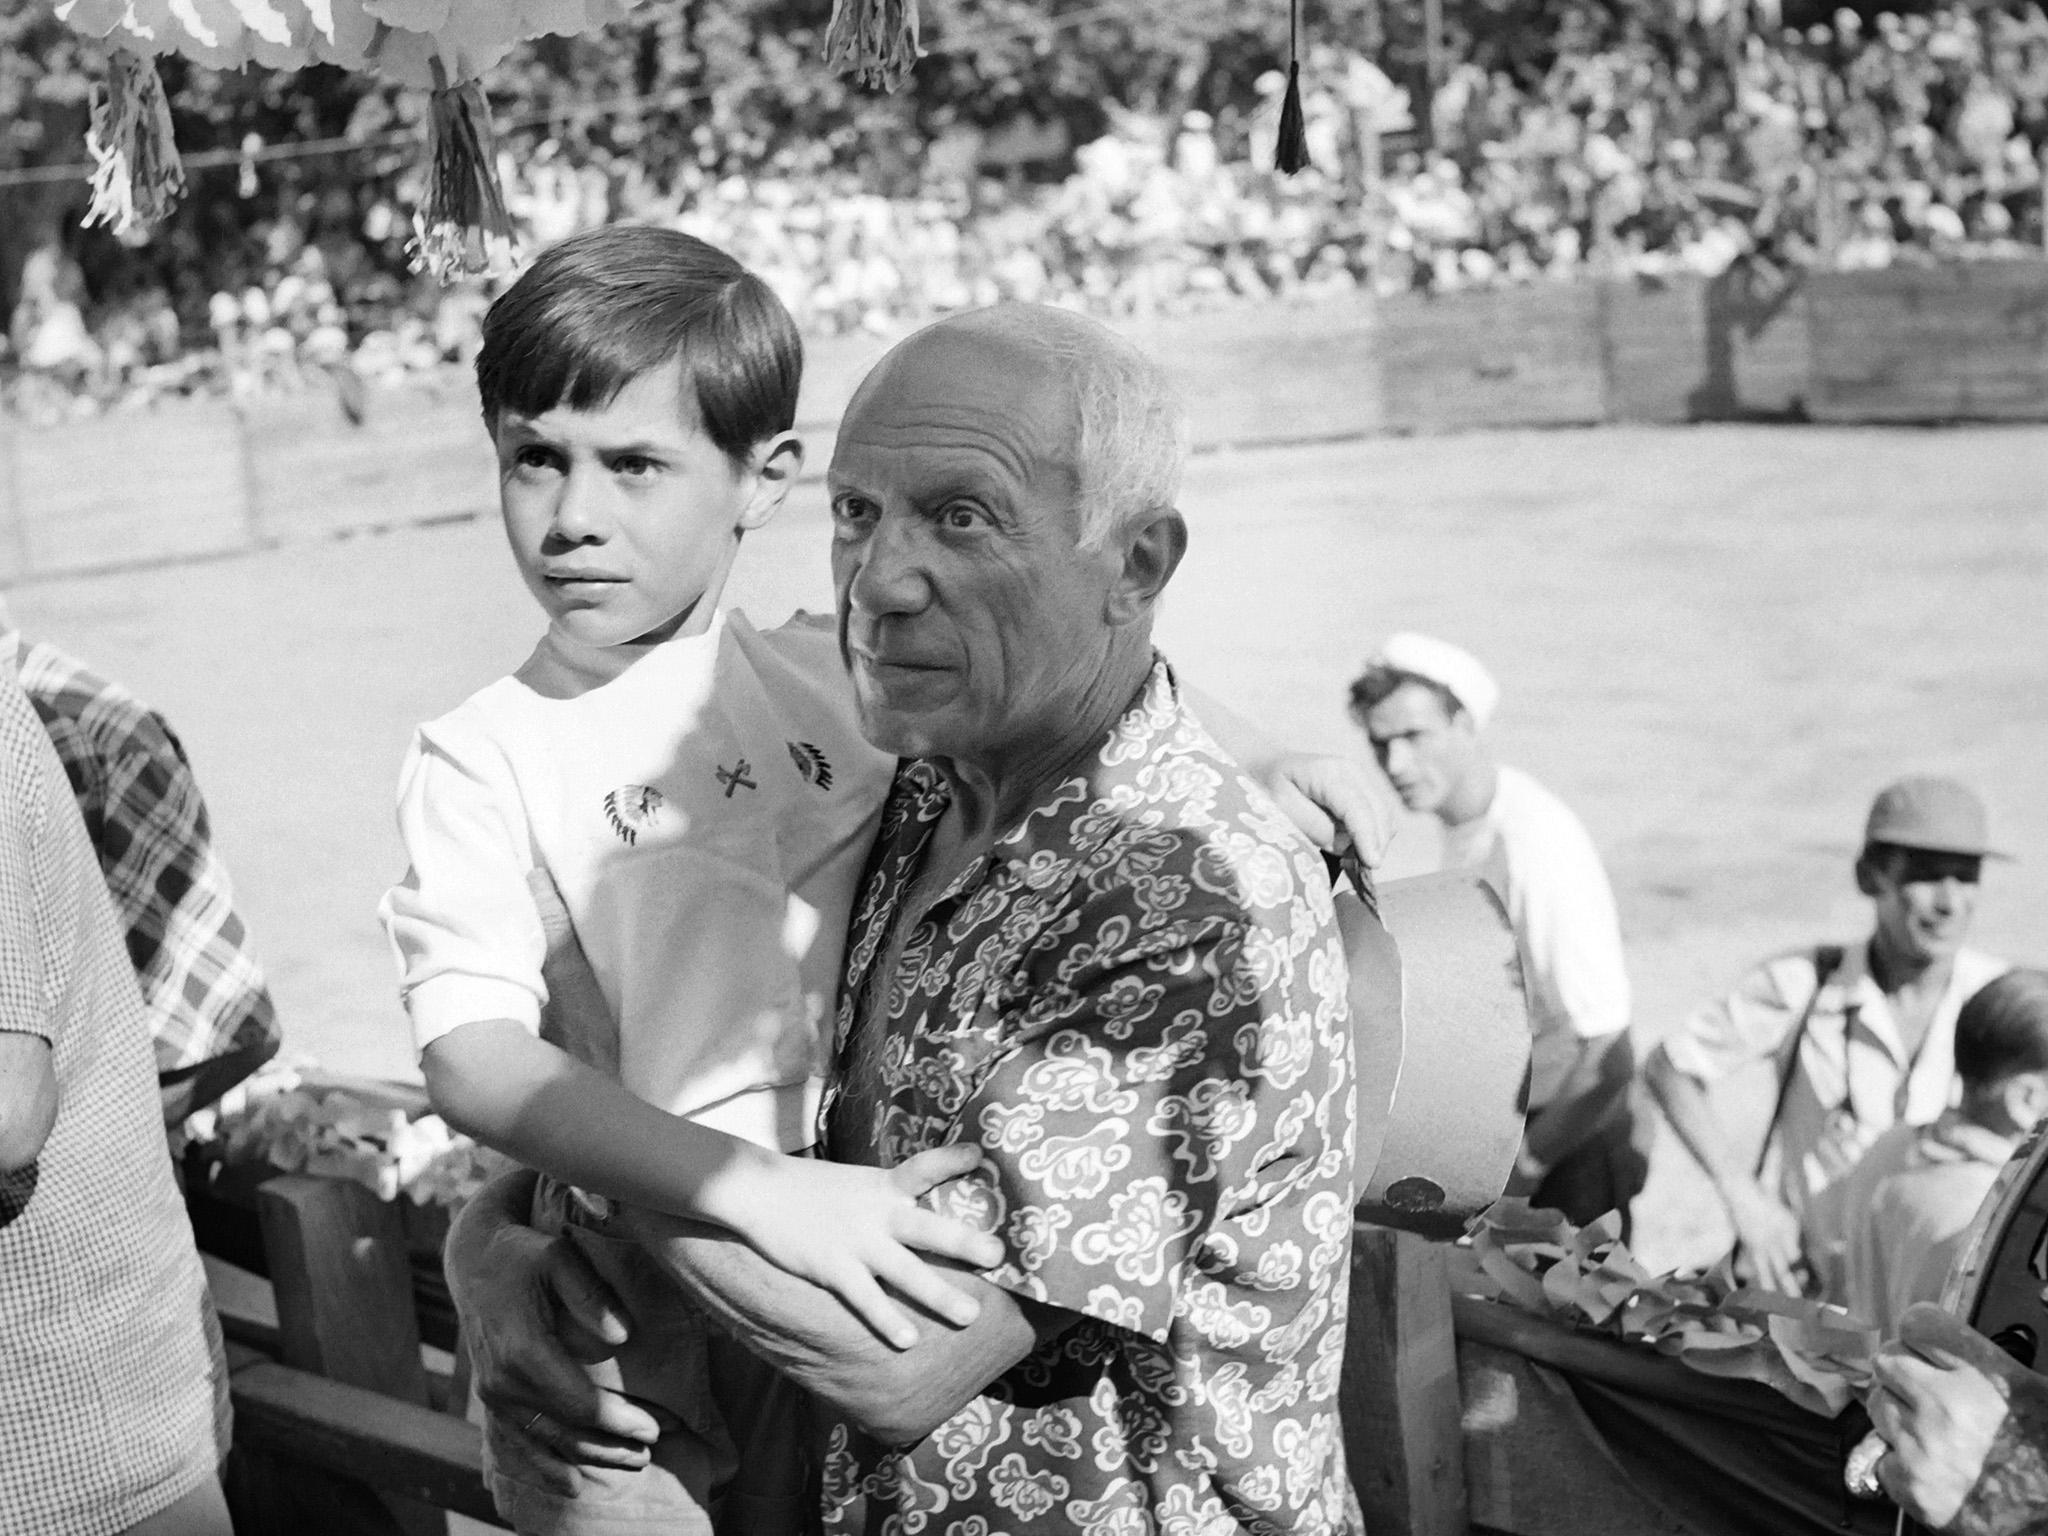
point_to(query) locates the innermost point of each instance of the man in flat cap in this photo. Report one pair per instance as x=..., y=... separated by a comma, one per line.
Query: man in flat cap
x=1424, y=704
x=1780, y=1087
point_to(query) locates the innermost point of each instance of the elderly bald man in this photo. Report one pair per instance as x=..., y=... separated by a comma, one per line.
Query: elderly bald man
x=1086, y=941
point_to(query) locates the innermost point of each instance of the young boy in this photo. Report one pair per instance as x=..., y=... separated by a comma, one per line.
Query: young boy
x=113, y=1387
x=1915, y=1193
x=700, y=796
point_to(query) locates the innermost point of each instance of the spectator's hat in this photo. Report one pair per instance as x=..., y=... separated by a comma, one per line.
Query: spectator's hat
x=1936, y=814
x=1438, y=661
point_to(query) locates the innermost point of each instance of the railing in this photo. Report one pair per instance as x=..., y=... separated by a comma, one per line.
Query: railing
x=197, y=478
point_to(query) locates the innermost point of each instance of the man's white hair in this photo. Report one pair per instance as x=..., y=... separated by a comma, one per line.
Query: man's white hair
x=1131, y=441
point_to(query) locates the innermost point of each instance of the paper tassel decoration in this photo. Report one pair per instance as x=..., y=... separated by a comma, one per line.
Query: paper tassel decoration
x=875, y=41
x=462, y=227
x=137, y=177
x=1290, y=153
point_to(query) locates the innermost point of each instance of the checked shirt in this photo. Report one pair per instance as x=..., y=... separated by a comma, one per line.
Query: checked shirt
x=203, y=990
x=1136, y=1004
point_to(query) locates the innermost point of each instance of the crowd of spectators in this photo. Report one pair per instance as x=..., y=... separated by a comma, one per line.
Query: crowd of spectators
x=1640, y=143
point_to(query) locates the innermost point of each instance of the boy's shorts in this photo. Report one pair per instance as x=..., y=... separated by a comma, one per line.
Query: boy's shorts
x=735, y=1453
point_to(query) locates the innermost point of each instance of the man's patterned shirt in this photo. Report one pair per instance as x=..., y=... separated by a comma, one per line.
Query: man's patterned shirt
x=1136, y=1004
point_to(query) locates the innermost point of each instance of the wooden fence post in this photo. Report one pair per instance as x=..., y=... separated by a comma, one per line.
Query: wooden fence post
x=344, y=1298
x=1399, y=1394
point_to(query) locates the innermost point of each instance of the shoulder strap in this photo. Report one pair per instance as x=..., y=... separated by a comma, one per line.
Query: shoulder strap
x=1827, y=959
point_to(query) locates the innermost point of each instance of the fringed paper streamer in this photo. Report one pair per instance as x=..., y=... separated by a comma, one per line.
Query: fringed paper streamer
x=1290, y=153
x=137, y=177
x=462, y=229
x=875, y=41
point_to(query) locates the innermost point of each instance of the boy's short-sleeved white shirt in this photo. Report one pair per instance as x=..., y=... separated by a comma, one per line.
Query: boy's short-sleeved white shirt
x=706, y=816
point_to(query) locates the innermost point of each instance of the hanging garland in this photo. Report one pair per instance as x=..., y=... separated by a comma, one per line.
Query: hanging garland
x=441, y=46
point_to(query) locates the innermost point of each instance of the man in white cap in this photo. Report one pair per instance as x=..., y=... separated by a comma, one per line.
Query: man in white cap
x=1424, y=704
x=1780, y=1087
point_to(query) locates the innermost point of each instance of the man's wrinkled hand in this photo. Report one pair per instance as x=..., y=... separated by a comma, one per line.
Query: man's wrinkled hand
x=1335, y=803
x=534, y=1313
x=1940, y=1397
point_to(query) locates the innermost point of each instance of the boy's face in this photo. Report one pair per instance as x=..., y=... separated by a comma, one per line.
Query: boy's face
x=624, y=518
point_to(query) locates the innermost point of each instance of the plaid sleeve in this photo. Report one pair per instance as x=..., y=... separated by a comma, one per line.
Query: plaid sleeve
x=204, y=991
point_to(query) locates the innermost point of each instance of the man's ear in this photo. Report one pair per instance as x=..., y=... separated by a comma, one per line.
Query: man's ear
x=2026, y=1099
x=1152, y=550
x=1866, y=875
x=777, y=463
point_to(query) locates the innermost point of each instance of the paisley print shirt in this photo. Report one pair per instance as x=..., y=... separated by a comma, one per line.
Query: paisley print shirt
x=1136, y=1004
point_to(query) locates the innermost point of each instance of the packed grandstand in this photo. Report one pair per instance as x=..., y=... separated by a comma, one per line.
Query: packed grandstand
x=1640, y=141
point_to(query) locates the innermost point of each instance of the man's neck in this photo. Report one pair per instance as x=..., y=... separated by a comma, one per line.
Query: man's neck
x=989, y=798
x=1472, y=798
x=1895, y=973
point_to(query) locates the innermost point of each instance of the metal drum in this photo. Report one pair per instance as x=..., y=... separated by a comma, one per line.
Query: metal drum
x=1441, y=1024
x=1999, y=1283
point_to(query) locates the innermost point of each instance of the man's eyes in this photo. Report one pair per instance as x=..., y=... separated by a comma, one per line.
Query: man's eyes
x=955, y=516
x=635, y=465
x=537, y=456
x=965, y=517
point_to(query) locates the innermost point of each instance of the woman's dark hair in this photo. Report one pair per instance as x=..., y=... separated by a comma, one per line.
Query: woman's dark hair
x=2003, y=1029
x=599, y=309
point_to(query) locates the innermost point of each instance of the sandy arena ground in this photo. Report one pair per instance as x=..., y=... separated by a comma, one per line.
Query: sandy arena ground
x=1715, y=642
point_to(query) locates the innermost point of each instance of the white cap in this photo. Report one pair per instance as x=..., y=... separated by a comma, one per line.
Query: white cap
x=1445, y=664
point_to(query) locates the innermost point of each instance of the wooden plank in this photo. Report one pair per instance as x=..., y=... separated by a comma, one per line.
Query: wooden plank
x=1399, y=1390
x=303, y=1418
x=1274, y=373
x=131, y=488
x=418, y=454
x=1654, y=341
x=343, y=1283
x=1526, y=356
x=1967, y=341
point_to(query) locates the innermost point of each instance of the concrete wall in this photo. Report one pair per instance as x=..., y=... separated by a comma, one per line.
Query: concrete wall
x=193, y=478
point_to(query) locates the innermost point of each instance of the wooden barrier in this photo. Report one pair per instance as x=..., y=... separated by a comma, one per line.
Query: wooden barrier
x=1505, y=357
x=1274, y=374
x=418, y=454
x=194, y=478
x=140, y=488
x=1936, y=343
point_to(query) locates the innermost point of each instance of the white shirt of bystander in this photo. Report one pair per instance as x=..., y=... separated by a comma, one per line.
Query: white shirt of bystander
x=1562, y=910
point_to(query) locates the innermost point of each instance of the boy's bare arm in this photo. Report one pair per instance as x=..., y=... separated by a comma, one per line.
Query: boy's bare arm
x=844, y=1228
x=496, y=1081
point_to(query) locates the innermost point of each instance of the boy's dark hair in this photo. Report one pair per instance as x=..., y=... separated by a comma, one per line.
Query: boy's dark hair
x=2003, y=1030
x=599, y=309
x=1380, y=682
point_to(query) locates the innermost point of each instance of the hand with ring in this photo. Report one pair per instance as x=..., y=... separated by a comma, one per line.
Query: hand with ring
x=535, y=1315
x=1939, y=1401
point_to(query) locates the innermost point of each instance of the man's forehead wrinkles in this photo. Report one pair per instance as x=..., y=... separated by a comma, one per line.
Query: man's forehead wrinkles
x=931, y=449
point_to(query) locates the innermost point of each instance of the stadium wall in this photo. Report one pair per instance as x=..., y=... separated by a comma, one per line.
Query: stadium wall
x=196, y=478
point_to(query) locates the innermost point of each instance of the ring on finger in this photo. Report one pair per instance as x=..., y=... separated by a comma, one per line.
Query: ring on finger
x=1859, y=1476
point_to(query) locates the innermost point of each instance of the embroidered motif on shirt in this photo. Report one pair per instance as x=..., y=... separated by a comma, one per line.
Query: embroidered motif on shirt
x=811, y=763
x=735, y=777
x=632, y=809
